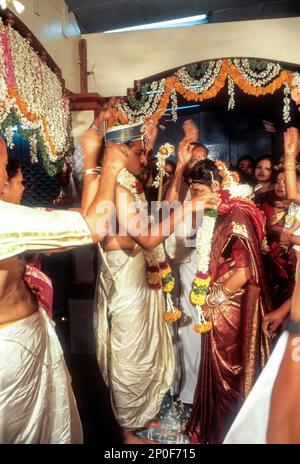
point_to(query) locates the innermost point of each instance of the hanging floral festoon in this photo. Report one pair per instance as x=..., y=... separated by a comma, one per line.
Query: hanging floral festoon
x=204, y=238
x=159, y=274
x=33, y=99
x=203, y=81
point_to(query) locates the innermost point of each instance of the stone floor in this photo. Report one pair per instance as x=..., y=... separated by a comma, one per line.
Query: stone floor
x=173, y=416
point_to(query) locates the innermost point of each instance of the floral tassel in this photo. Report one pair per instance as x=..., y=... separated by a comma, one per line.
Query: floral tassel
x=171, y=314
x=203, y=325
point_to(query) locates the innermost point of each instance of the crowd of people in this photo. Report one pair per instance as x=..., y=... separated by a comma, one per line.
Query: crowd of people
x=225, y=255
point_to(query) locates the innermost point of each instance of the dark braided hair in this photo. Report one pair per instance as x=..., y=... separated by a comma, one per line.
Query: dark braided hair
x=205, y=172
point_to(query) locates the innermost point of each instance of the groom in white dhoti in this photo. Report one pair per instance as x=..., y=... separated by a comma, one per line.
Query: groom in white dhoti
x=134, y=346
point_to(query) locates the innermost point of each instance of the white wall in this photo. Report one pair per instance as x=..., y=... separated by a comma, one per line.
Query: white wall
x=47, y=27
x=122, y=58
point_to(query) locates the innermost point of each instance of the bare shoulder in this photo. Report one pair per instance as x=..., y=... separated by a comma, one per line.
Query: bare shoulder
x=10, y=263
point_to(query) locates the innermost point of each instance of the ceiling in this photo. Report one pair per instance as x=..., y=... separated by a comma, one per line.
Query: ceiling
x=102, y=15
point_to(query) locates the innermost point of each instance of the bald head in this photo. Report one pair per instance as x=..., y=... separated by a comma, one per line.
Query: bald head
x=3, y=163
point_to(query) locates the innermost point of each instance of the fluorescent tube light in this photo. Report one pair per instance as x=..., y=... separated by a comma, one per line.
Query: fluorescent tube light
x=181, y=22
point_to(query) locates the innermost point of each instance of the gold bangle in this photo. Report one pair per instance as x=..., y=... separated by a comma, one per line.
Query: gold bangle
x=96, y=171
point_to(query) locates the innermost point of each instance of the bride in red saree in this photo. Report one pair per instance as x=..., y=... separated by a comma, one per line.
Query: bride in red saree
x=235, y=349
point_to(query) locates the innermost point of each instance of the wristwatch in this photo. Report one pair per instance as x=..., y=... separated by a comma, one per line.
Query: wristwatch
x=293, y=327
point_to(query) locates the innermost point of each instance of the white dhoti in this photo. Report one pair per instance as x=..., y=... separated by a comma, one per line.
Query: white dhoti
x=189, y=341
x=186, y=342
x=37, y=404
x=251, y=423
x=134, y=347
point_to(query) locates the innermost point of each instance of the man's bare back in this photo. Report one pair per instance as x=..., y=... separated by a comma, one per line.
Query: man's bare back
x=16, y=300
x=123, y=241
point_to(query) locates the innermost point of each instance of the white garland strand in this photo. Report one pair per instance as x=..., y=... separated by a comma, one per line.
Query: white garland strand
x=231, y=102
x=204, y=238
x=286, y=103
x=174, y=105
x=33, y=149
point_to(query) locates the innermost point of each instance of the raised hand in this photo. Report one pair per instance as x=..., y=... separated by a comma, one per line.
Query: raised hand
x=205, y=201
x=150, y=133
x=184, y=152
x=291, y=142
x=191, y=131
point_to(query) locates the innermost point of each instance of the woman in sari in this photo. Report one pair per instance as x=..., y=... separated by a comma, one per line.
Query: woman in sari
x=279, y=261
x=263, y=179
x=235, y=349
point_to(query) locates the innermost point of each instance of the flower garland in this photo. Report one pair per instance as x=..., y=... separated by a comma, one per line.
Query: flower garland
x=204, y=238
x=31, y=97
x=243, y=73
x=286, y=103
x=174, y=105
x=201, y=282
x=163, y=153
x=231, y=101
x=257, y=78
x=159, y=274
x=125, y=114
x=204, y=83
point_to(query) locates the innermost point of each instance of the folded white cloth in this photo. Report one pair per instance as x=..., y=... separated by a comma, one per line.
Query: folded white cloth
x=24, y=228
x=37, y=404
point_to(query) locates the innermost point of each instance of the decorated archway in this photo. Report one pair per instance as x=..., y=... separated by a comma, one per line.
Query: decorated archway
x=204, y=81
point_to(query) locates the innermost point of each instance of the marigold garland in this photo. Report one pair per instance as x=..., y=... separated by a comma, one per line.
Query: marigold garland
x=228, y=70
